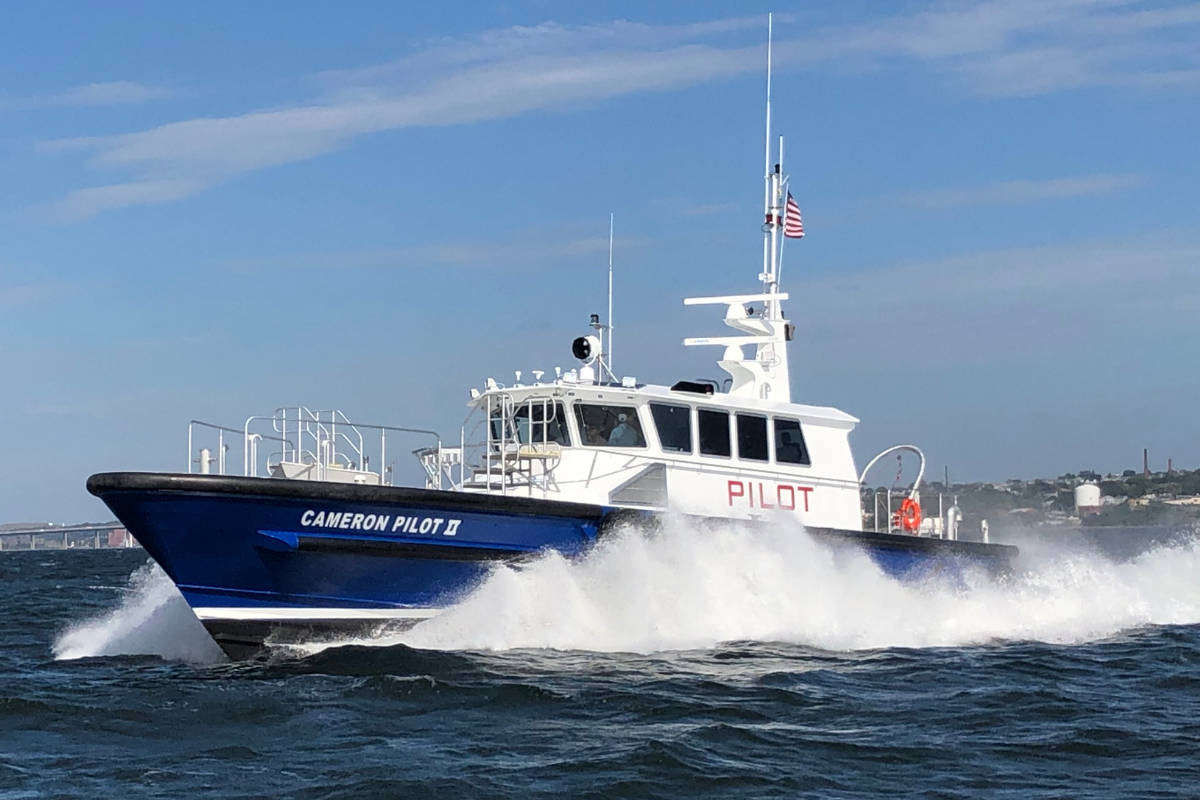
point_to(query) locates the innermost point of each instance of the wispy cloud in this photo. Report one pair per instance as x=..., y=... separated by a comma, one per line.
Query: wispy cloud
x=1003, y=47
x=1020, y=191
x=434, y=57
x=1027, y=47
x=1017, y=302
x=490, y=82
x=91, y=94
x=526, y=249
x=84, y=203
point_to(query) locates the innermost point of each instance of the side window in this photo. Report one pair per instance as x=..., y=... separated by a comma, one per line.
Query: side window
x=714, y=432
x=674, y=426
x=609, y=426
x=789, y=443
x=752, y=437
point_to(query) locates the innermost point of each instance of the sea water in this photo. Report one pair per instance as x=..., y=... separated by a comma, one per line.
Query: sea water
x=716, y=662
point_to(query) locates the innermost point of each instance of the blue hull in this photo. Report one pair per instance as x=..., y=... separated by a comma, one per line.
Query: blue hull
x=259, y=557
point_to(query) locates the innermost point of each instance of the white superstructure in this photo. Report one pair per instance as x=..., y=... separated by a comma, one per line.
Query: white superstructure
x=656, y=447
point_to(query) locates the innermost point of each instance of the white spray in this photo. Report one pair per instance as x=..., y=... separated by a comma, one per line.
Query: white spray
x=687, y=588
x=692, y=588
x=152, y=619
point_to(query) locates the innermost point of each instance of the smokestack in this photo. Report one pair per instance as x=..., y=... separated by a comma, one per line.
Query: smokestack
x=1170, y=467
x=1145, y=462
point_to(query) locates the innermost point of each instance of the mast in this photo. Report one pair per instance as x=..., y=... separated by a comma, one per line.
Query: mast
x=773, y=183
x=763, y=375
x=769, y=224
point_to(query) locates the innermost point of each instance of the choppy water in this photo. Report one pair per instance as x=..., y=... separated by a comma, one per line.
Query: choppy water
x=695, y=663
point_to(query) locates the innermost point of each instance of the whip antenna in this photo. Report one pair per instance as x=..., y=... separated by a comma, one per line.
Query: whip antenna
x=611, y=217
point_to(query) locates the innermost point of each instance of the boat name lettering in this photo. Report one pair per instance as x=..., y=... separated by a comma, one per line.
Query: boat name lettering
x=350, y=521
x=785, y=495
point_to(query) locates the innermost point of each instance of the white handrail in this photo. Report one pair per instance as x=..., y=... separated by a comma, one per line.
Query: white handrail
x=312, y=438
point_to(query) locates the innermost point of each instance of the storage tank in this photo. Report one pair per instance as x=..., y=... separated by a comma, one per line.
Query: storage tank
x=1087, y=498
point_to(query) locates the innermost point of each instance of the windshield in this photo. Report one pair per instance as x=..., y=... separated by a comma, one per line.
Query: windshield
x=534, y=422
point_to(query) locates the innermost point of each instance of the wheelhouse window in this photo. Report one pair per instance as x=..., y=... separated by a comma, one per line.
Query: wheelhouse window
x=752, y=437
x=542, y=422
x=609, y=426
x=789, y=443
x=714, y=432
x=536, y=422
x=674, y=426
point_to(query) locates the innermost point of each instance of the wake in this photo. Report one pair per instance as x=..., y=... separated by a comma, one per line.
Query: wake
x=685, y=588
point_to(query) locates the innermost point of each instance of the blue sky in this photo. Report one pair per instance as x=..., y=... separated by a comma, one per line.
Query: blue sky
x=214, y=211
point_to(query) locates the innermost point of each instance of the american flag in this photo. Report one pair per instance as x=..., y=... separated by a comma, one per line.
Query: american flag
x=793, y=228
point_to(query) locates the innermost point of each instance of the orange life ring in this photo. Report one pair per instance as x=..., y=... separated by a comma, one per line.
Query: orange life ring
x=908, y=518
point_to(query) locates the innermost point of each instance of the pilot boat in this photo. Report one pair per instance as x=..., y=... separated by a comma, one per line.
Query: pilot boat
x=309, y=538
